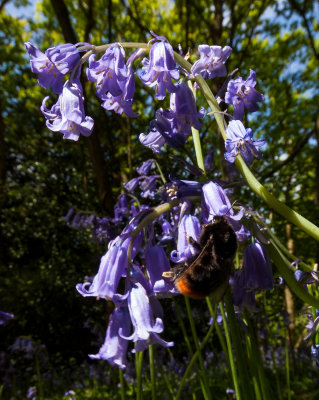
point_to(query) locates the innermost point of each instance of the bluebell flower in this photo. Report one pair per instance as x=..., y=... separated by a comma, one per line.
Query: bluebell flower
x=48, y=74
x=174, y=125
x=306, y=277
x=64, y=57
x=145, y=167
x=167, y=231
x=156, y=262
x=114, y=349
x=67, y=115
x=109, y=71
x=216, y=202
x=212, y=61
x=242, y=296
x=239, y=140
x=242, y=94
x=142, y=314
x=189, y=227
x=160, y=69
x=183, y=105
x=179, y=188
x=103, y=231
x=154, y=139
x=131, y=185
x=5, y=317
x=148, y=186
x=124, y=101
x=112, y=267
x=257, y=268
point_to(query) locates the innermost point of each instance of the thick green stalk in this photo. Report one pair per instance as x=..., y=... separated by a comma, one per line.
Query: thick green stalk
x=230, y=353
x=152, y=371
x=206, y=392
x=238, y=347
x=139, y=367
x=196, y=138
x=122, y=385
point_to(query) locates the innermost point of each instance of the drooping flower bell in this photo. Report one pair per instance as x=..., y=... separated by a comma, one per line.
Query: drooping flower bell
x=215, y=202
x=64, y=57
x=112, y=267
x=257, y=268
x=189, y=227
x=243, y=297
x=242, y=94
x=156, y=263
x=212, y=61
x=161, y=68
x=114, y=349
x=67, y=115
x=173, y=126
x=240, y=140
x=48, y=74
x=124, y=101
x=142, y=314
x=109, y=71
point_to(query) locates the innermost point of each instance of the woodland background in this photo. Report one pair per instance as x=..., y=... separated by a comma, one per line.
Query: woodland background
x=42, y=176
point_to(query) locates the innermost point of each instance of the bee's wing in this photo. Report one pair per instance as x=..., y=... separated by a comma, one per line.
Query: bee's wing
x=179, y=270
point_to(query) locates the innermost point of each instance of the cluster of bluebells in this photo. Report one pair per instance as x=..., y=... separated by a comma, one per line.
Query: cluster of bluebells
x=131, y=271
x=115, y=86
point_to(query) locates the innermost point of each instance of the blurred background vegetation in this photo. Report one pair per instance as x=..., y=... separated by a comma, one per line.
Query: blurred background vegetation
x=42, y=176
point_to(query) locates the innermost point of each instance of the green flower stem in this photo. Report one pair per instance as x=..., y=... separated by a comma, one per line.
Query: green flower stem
x=273, y=358
x=206, y=391
x=195, y=356
x=292, y=216
x=139, y=367
x=283, y=266
x=241, y=357
x=160, y=171
x=253, y=369
x=258, y=362
x=152, y=371
x=196, y=138
x=122, y=385
x=218, y=331
x=230, y=353
x=168, y=384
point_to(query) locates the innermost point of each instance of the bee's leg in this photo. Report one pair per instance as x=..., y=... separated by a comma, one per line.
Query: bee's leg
x=176, y=272
x=193, y=243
